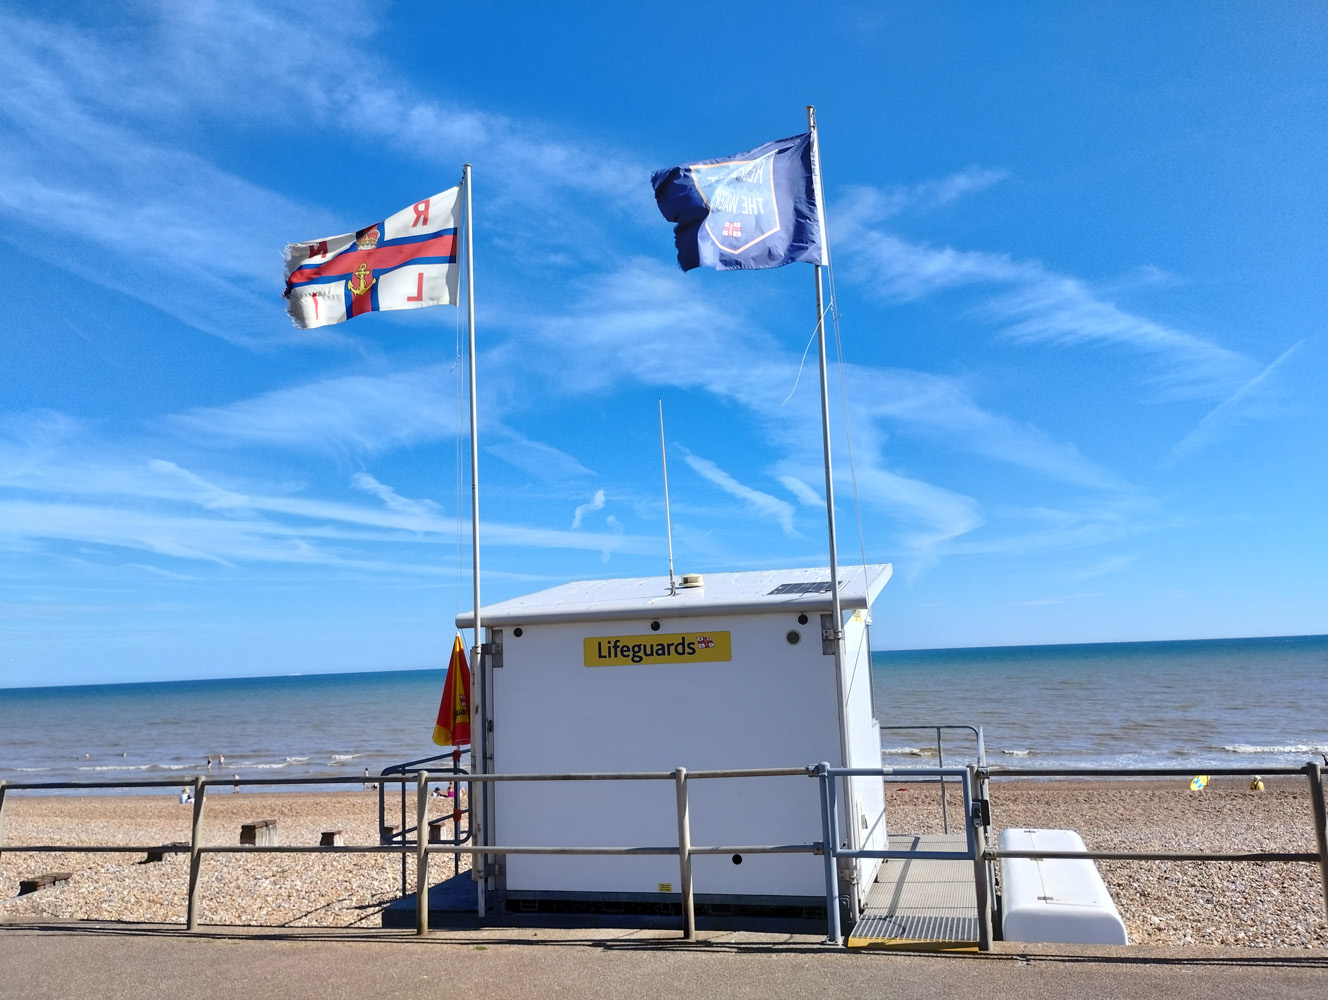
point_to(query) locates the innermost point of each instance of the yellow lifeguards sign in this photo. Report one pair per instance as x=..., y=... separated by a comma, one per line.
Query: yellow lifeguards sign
x=648, y=650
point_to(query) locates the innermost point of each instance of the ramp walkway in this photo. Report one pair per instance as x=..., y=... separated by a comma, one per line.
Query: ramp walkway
x=919, y=904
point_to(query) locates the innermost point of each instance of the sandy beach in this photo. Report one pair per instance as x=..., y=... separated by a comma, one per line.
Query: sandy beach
x=1260, y=905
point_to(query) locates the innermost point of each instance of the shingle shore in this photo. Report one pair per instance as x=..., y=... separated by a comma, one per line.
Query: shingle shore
x=1257, y=904
x=281, y=890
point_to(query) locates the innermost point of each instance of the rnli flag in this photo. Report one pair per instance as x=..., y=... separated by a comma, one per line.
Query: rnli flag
x=407, y=261
x=756, y=209
x=453, y=726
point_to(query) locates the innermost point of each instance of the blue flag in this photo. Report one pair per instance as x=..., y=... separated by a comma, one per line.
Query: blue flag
x=756, y=209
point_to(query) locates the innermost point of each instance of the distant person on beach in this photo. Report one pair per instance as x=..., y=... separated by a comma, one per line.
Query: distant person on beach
x=209, y=762
x=186, y=796
x=236, y=779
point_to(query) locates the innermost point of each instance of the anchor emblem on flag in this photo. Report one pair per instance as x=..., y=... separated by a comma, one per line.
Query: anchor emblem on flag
x=364, y=277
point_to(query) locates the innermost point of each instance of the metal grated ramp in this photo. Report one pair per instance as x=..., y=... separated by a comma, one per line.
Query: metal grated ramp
x=920, y=904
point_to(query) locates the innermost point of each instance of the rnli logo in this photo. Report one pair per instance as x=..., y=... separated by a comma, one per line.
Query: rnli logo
x=362, y=279
x=646, y=650
x=740, y=195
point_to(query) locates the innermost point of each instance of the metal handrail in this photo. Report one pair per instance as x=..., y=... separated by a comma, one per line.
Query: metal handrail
x=940, y=757
x=1312, y=771
x=411, y=767
x=981, y=856
x=422, y=779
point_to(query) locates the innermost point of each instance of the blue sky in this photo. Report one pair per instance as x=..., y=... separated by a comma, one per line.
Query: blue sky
x=1078, y=259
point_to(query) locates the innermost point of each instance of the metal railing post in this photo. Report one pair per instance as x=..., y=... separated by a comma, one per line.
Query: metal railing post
x=2, y=815
x=977, y=845
x=421, y=852
x=940, y=762
x=685, y=855
x=829, y=843
x=1315, y=773
x=195, y=852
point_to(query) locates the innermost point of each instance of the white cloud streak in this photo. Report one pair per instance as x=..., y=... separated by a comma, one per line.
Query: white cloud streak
x=1028, y=301
x=807, y=496
x=63, y=488
x=595, y=503
x=390, y=497
x=762, y=504
x=357, y=413
x=1237, y=408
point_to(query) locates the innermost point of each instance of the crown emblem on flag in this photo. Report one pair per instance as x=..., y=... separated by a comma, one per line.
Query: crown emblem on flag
x=367, y=239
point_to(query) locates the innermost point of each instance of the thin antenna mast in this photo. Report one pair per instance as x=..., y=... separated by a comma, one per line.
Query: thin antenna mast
x=668, y=518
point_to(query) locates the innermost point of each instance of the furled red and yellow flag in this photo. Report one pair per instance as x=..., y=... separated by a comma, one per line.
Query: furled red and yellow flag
x=453, y=727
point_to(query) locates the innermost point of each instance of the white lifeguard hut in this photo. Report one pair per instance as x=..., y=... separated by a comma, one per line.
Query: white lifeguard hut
x=729, y=672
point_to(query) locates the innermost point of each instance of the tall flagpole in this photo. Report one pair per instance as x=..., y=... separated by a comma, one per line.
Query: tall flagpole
x=668, y=518
x=479, y=739
x=836, y=615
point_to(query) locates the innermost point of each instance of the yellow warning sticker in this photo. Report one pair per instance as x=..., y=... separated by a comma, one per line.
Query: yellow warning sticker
x=666, y=887
x=676, y=647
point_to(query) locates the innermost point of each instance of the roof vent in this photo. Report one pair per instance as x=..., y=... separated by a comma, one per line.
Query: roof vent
x=692, y=580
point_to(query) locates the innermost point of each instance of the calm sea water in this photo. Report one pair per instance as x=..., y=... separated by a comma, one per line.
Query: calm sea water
x=1257, y=702
x=1218, y=702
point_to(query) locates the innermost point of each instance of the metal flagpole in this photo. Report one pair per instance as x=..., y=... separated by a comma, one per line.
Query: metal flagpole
x=668, y=519
x=836, y=631
x=478, y=730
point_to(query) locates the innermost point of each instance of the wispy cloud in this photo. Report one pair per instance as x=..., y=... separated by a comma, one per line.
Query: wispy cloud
x=1042, y=602
x=95, y=125
x=932, y=517
x=595, y=503
x=878, y=204
x=1103, y=567
x=1028, y=301
x=1097, y=521
x=390, y=497
x=357, y=413
x=1237, y=408
x=535, y=458
x=762, y=504
x=646, y=323
x=60, y=487
x=807, y=496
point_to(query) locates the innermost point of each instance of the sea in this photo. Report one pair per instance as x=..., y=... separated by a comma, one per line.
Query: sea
x=1193, y=704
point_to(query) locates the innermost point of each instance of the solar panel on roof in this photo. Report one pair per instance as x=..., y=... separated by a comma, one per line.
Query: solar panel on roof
x=815, y=587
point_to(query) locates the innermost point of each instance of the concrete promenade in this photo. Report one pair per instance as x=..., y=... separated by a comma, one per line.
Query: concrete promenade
x=81, y=961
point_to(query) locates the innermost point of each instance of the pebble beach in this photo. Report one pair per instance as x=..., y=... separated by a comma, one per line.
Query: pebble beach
x=281, y=890
x=1256, y=905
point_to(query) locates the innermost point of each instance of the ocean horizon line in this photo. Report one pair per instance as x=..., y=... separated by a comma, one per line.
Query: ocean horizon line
x=918, y=650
